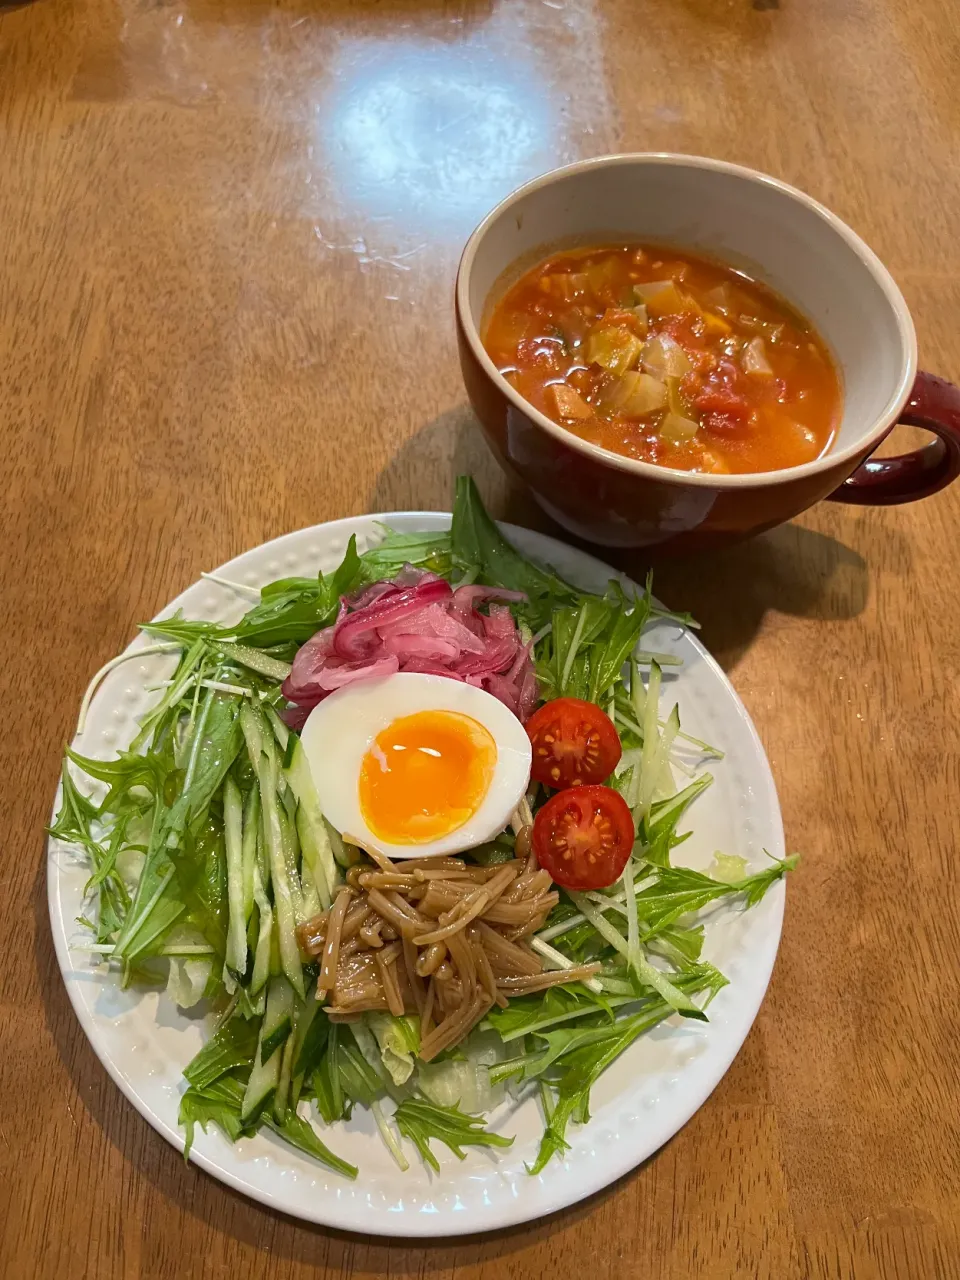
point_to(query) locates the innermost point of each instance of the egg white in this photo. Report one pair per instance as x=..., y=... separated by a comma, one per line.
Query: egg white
x=340, y=731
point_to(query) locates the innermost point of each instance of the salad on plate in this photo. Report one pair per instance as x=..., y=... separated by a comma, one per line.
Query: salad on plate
x=406, y=830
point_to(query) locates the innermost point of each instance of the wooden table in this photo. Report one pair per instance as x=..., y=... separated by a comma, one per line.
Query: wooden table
x=228, y=235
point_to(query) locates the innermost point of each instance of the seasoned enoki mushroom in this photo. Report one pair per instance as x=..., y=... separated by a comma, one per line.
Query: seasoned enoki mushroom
x=436, y=937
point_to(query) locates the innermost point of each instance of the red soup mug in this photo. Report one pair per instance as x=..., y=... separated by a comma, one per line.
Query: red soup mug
x=775, y=234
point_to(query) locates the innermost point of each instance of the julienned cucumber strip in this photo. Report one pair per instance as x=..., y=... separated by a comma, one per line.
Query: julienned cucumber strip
x=283, y=804
x=345, y=855
x=251, y=825
x=312, y=1035
x=284, y=899
x=274, y=1032
x=236, y=957
x=261, y=1086
x=305, y=899
x=286, y=891
x=311, y=899
x=261, y=959
x=280, y=730
x=278, y=1019
x=281, y=1098
x=252, y=726
x=314, y=838
x=302, y=1022
x=252, y=1006
x=651, y=741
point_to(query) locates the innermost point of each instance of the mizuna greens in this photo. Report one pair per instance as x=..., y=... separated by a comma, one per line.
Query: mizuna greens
x=208, y=850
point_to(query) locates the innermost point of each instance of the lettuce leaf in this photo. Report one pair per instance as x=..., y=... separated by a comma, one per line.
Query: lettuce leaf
x=464, y=1078
x=399, y=1043
x=187, y=980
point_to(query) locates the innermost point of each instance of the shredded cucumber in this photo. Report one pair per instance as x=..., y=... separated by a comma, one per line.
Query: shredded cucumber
x=236, y=957
x=248, y=849
x=278, y=1019
x=261, y=1086
x=261, y=960
x=313, y=831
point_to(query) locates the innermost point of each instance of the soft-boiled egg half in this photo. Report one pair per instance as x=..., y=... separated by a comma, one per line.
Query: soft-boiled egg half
x=416, y=765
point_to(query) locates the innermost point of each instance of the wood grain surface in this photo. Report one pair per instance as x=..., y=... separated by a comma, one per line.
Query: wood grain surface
x=228, y=235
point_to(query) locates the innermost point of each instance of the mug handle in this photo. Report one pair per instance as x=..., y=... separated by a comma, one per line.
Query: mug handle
x=934, y=404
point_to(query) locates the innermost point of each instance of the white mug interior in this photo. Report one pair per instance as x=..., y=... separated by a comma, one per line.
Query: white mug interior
x=754, y=223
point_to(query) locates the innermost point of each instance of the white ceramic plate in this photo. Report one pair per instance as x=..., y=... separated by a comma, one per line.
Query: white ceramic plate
x=642, y=1100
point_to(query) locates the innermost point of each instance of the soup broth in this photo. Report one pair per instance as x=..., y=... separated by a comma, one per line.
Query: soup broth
x=669, y=358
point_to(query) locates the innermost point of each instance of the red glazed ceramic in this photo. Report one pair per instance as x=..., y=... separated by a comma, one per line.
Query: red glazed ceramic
x=777, y=235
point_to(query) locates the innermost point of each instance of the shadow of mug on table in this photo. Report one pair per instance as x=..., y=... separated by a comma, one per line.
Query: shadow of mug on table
x=780, y=236
x=798, y=571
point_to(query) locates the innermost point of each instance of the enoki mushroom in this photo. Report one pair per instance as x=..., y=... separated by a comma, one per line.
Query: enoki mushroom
x=439, y=938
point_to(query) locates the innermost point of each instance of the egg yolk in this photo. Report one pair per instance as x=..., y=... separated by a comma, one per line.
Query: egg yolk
x=425, y=775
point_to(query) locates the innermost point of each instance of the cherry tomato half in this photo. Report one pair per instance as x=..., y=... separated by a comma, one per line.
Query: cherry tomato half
x=583, y=836
x=574, y=743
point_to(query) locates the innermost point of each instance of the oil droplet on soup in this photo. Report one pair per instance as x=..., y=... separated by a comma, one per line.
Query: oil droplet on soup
x=669, y=358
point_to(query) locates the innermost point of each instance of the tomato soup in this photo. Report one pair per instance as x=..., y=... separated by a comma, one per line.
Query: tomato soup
x=669, y=358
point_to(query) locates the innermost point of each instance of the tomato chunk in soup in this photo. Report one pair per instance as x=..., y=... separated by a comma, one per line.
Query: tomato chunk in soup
x=667, y=357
